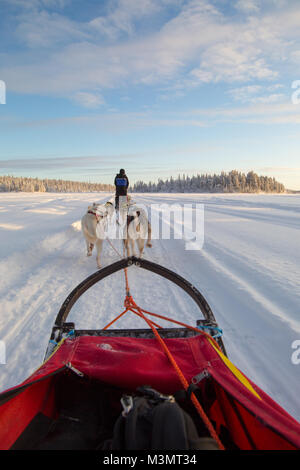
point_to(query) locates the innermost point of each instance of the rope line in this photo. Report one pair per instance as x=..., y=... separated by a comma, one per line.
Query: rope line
x=181, y=376
x=131, y=306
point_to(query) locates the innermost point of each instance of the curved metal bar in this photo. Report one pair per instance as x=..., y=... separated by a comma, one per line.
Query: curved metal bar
x=189, y=288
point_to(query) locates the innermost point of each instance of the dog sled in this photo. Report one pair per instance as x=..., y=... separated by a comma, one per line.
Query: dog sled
x=154, y=388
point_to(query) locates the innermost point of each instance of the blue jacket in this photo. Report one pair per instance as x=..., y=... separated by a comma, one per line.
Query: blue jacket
x=121, y=183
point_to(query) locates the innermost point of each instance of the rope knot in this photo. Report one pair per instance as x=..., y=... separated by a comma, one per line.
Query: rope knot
x=129, y=302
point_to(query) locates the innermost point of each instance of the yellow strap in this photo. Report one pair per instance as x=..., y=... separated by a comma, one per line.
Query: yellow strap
x=235, y=371
x=52, y=354
x=55, y=350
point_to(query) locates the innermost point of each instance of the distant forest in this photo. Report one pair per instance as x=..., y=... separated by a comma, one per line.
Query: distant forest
x=13, y=183
x=232, y=182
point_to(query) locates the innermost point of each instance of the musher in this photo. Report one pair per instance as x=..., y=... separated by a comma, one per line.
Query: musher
x=121, y=184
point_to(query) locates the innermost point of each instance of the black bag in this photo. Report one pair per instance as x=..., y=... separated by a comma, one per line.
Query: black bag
x=156, y=422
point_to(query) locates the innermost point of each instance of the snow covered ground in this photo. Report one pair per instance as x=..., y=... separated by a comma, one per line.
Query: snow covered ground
x=248, y=270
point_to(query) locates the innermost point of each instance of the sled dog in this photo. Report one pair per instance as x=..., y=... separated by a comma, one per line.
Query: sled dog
x=137, y=230
x=122, y=211
x=93, y=223
x=110, y=209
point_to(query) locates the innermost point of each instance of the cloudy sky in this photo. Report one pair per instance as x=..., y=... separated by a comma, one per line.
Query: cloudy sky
x=159, y=87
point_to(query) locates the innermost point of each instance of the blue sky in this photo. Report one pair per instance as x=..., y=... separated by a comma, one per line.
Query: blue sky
x=158, y=87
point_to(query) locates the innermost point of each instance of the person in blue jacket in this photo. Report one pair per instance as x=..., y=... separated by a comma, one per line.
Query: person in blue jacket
x=121, y=184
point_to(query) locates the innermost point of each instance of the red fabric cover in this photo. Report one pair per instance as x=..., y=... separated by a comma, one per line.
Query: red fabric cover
x=130, y=362
x=18, y=412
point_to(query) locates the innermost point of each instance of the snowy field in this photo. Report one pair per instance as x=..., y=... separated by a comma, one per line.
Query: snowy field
x=248, y=270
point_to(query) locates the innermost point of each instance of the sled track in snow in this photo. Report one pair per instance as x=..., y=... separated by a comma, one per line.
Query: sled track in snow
x=253, y=304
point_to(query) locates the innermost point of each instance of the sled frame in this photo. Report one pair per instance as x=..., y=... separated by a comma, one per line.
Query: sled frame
x=62, y=328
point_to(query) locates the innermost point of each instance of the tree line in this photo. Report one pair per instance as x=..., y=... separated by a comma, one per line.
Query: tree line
x=232, y=182
x=14, y=183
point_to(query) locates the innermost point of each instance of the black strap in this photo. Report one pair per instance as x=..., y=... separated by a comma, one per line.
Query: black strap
x=181, y=395
x=191, y=388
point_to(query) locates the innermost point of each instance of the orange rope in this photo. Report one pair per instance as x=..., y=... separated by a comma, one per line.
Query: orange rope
x=184, y=325
x=133, y=307
x=130, y=305
x=126, y=282
x=128, y=308
x=117, y=318
x=183, y=380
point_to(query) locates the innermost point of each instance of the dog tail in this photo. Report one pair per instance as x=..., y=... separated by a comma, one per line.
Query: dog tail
x=149, y=244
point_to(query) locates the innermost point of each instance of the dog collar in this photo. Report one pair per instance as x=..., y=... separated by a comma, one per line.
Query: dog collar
x=95, y=214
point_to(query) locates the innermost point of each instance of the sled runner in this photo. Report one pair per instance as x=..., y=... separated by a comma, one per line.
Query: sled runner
x=152, y=388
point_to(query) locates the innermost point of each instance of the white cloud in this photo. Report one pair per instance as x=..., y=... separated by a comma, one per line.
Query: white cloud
x=248, y=6
x=255, y=113
x=275, y=86
x=122, y=16
x=88, y=100
x=231, y=62
x=37, y=4
x=245, y=93
x=295, y=56
x=198, y=45
x=258, y=94
x=273, y=98
x=266, y=113
x=41, y=29
x=102, y=161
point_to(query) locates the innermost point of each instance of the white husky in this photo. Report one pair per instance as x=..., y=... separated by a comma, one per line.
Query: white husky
x=93, y=224
x=110, y=209
x=137, y=229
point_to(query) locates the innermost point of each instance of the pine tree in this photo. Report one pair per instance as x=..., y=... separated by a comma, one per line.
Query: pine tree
x=233, y=181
